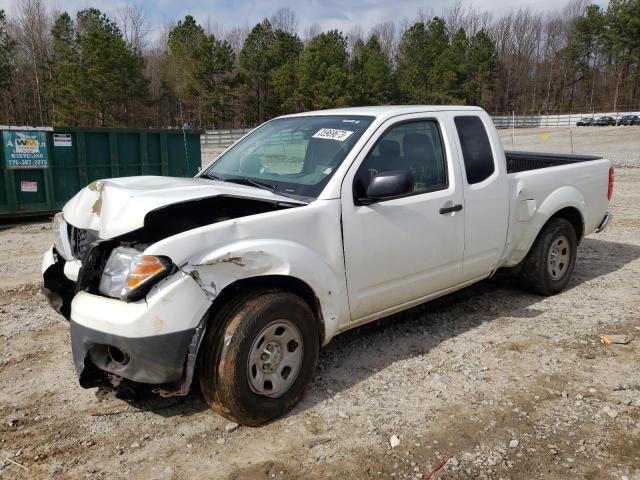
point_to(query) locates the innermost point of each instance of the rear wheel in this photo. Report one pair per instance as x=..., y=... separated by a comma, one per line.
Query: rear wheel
x=255, y=366
x=551, y=260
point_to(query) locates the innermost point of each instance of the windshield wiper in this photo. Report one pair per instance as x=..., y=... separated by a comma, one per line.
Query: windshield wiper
x=252, y=183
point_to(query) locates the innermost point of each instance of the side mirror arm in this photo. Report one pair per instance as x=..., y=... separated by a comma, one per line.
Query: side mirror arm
x=365, y=201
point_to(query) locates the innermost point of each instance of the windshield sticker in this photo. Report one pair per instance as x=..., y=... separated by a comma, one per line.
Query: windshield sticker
x=333, y=134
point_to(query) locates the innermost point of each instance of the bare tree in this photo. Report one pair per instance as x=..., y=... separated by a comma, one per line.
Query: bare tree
x=574, y=9
x=454, y=17
x=553, y=39
x=236, y=37
x=313, y=31
x=134, y=24
x=153, y=69
x=285, y=19
x=353, y=37
x=211, y=27
x=425, y=14
x=387, y=36
x=32, y=31
x=463, y=15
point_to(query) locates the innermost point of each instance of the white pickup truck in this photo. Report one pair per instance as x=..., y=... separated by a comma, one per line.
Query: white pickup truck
x=310, y=225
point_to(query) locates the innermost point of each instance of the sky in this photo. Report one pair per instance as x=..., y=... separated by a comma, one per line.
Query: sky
x=329, y=14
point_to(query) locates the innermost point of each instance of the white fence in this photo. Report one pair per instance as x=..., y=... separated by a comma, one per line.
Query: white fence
x=218, y=139
x=222, y=138
x=542, y=120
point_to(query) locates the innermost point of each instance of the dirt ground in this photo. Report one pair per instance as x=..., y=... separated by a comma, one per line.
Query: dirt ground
x=502, y=383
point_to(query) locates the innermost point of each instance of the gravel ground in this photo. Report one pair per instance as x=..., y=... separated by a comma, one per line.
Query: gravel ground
x=501, y=383
x=621, y=145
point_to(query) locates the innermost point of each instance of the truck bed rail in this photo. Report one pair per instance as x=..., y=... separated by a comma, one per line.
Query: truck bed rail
x=523, y=161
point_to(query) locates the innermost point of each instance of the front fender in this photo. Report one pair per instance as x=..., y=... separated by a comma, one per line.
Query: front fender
x=303, y=242
x=218, y=269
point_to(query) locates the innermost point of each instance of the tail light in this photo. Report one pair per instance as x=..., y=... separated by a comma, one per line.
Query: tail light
x=610, y=189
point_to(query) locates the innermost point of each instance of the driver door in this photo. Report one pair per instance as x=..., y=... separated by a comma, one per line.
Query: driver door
x=403, y=250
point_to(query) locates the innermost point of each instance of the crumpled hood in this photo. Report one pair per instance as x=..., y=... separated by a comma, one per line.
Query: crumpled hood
x=116, y=206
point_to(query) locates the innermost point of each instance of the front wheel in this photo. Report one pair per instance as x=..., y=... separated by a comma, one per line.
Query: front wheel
x=255, y=366
x=552, y=258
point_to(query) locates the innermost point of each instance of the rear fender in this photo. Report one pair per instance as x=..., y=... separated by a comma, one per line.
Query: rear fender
x=559, y=199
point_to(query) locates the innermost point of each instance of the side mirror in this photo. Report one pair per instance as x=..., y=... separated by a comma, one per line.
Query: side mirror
x=388, y=185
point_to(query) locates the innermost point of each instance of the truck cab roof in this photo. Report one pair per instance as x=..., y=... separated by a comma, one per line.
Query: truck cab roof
x=387, y=111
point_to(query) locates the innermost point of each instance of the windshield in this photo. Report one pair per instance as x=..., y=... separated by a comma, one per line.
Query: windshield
x=293, y=156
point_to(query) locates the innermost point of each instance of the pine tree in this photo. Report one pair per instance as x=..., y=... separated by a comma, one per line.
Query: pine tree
x=323, y=81
x=449, y=73
x=287, y=50
x=64, y=88
x=257, y=62
x=215, y=61
x=419, y=50
x=7, y=48
x=197, y=68
x=112, y=73
x=268, y=61
x=480, y=70
x=97, y=78
x=179, y=68
x=584, y=48
x=371, y=72
x=621, y=43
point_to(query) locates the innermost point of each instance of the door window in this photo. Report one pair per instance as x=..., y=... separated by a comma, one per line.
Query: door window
x=476, y=149
x=413, y=146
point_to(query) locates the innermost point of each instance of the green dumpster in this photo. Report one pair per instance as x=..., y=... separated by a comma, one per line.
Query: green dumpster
x=40, y=169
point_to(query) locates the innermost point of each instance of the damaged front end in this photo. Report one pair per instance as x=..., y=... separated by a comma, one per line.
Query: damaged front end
x=134, y=317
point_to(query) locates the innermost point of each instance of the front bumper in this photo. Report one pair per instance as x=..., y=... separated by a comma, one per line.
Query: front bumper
x=147, y=341
x=157, y=359
x=58, y=288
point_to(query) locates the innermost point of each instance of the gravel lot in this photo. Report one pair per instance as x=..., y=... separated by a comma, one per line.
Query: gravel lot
x=501, y=383
x=619, y=144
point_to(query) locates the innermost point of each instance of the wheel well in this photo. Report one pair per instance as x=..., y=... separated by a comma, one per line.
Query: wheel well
x=279, y=282
x=573, y=216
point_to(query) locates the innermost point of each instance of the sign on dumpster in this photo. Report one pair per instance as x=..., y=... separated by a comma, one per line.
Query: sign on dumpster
x=25, y=149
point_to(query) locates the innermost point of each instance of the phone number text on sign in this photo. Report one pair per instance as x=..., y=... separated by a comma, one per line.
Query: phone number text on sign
x=25, y=149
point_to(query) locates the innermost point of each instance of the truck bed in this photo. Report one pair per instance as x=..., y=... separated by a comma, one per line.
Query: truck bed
x=537, y=191
x=522, y=161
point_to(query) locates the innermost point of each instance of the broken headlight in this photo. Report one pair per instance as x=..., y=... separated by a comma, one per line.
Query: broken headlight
x=129, y=275
x=61, y=237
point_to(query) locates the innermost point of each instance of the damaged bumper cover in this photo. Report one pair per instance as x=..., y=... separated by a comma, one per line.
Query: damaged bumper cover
x=150, y=341
x=157, y=359
x=145, y=341
x=58, y=289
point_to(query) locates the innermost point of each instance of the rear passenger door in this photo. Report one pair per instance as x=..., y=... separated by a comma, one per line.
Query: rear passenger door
x=402, y=250
x=486, y=193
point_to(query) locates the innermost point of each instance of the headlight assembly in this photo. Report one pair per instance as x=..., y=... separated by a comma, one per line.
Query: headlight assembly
x=129, y=275
x=61, y=237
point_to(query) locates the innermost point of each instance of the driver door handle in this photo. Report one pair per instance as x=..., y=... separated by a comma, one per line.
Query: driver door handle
x=454, y=208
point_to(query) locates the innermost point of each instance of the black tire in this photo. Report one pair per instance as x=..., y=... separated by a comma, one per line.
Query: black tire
x=536, y=276
x=223, y=360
